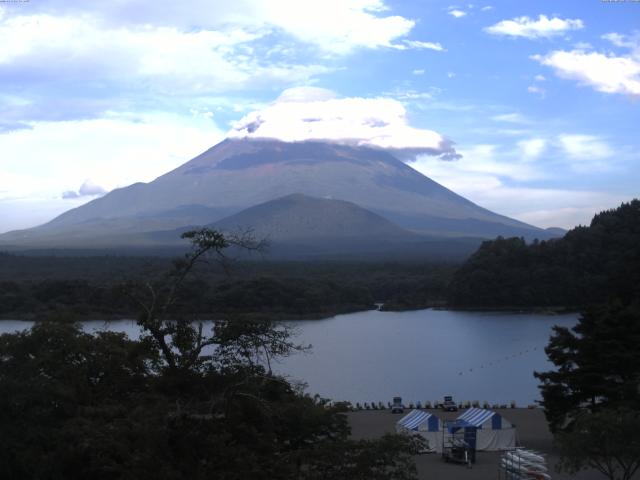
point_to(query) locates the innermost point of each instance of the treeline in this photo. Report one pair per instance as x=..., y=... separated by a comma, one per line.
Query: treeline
x=587, y=266
x=94, y=287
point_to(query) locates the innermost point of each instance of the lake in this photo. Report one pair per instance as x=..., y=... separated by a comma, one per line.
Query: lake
x=419, y=355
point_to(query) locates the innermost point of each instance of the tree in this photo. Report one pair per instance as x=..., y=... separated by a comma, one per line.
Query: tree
x=177, y=404
x=587, y=266
x=63, y=393
x=182, y=341
x=598, y=364
x=607, y=440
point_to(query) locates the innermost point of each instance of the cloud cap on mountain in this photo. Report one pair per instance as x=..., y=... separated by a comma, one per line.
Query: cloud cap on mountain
x=311, y=113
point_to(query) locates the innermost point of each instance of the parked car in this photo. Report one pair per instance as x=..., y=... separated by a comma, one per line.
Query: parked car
x=449, y=405
x=397, y=406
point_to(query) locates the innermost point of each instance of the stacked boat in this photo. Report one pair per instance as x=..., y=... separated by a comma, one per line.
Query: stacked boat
x=523, y=464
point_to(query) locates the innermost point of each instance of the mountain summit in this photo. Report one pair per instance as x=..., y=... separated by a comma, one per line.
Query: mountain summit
x=240, y=173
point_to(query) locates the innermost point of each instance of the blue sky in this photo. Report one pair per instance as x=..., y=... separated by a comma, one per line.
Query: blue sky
x=528, y=108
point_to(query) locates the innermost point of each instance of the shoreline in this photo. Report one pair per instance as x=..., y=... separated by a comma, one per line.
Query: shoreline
x=288, y=316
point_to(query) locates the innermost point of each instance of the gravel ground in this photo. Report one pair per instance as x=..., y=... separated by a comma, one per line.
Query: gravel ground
x=532, y=433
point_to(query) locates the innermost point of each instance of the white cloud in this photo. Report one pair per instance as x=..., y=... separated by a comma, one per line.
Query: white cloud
x=585, y=147
x=605, y=73
x=161, y=57
x=51, y=157
x=540, y=78
x=316, y=114
x=486, y=8
x=89, y=188
x=537, y=90
x=417, y=44
x=532, y=148
x=543, y=27
x=337, y=26
x=457, y=13
x=511, y=118
x=486, y=179
x=622, y=41
x=482, y=165
x=413, y=96
x=418, y=71
x=582, y=46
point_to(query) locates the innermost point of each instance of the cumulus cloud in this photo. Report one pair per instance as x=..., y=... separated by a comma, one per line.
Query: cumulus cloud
x=87, y=189
x=119, y=56
x=316, y=114
x=543, y=27
x=333, y=25
x=606, y=73
x=457, y=13
x=162, y=58
x=532, y=148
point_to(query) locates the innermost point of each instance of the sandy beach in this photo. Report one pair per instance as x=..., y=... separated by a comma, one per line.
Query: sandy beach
x=532, y=433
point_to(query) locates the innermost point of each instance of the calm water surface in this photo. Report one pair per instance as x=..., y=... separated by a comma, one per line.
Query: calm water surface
x=420, y=355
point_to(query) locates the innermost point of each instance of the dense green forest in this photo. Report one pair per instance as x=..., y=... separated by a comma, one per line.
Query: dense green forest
x=587, y=266
x=77, y=288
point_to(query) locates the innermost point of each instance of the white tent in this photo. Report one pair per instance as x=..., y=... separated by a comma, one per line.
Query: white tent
x=425, y=424
x=494, y=432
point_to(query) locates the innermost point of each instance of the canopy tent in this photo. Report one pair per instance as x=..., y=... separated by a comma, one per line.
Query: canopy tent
x=494, y=432
x=422, y=423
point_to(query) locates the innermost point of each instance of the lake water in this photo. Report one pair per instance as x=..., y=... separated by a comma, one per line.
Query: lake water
x=419, y=355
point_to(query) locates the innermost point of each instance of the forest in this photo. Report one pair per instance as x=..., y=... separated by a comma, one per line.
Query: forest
x=587, y=266
x=78, y=288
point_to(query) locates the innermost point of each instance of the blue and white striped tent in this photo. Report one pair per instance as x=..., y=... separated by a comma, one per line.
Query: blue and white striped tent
x=425, y=424
x=494, y=432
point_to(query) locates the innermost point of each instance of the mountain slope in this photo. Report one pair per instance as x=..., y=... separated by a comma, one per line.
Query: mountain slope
x=301, y=227
x=298, y=216
x=237, y=174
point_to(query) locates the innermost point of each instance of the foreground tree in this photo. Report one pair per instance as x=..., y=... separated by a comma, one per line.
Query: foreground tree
x=180, y=403
x=182, y=341
x=597, y=364
x=608, y=441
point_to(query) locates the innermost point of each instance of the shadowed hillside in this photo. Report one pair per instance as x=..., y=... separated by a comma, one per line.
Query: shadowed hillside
x=586, y=266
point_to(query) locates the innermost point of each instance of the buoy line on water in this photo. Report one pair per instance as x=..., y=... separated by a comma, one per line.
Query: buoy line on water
x=501, y=360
